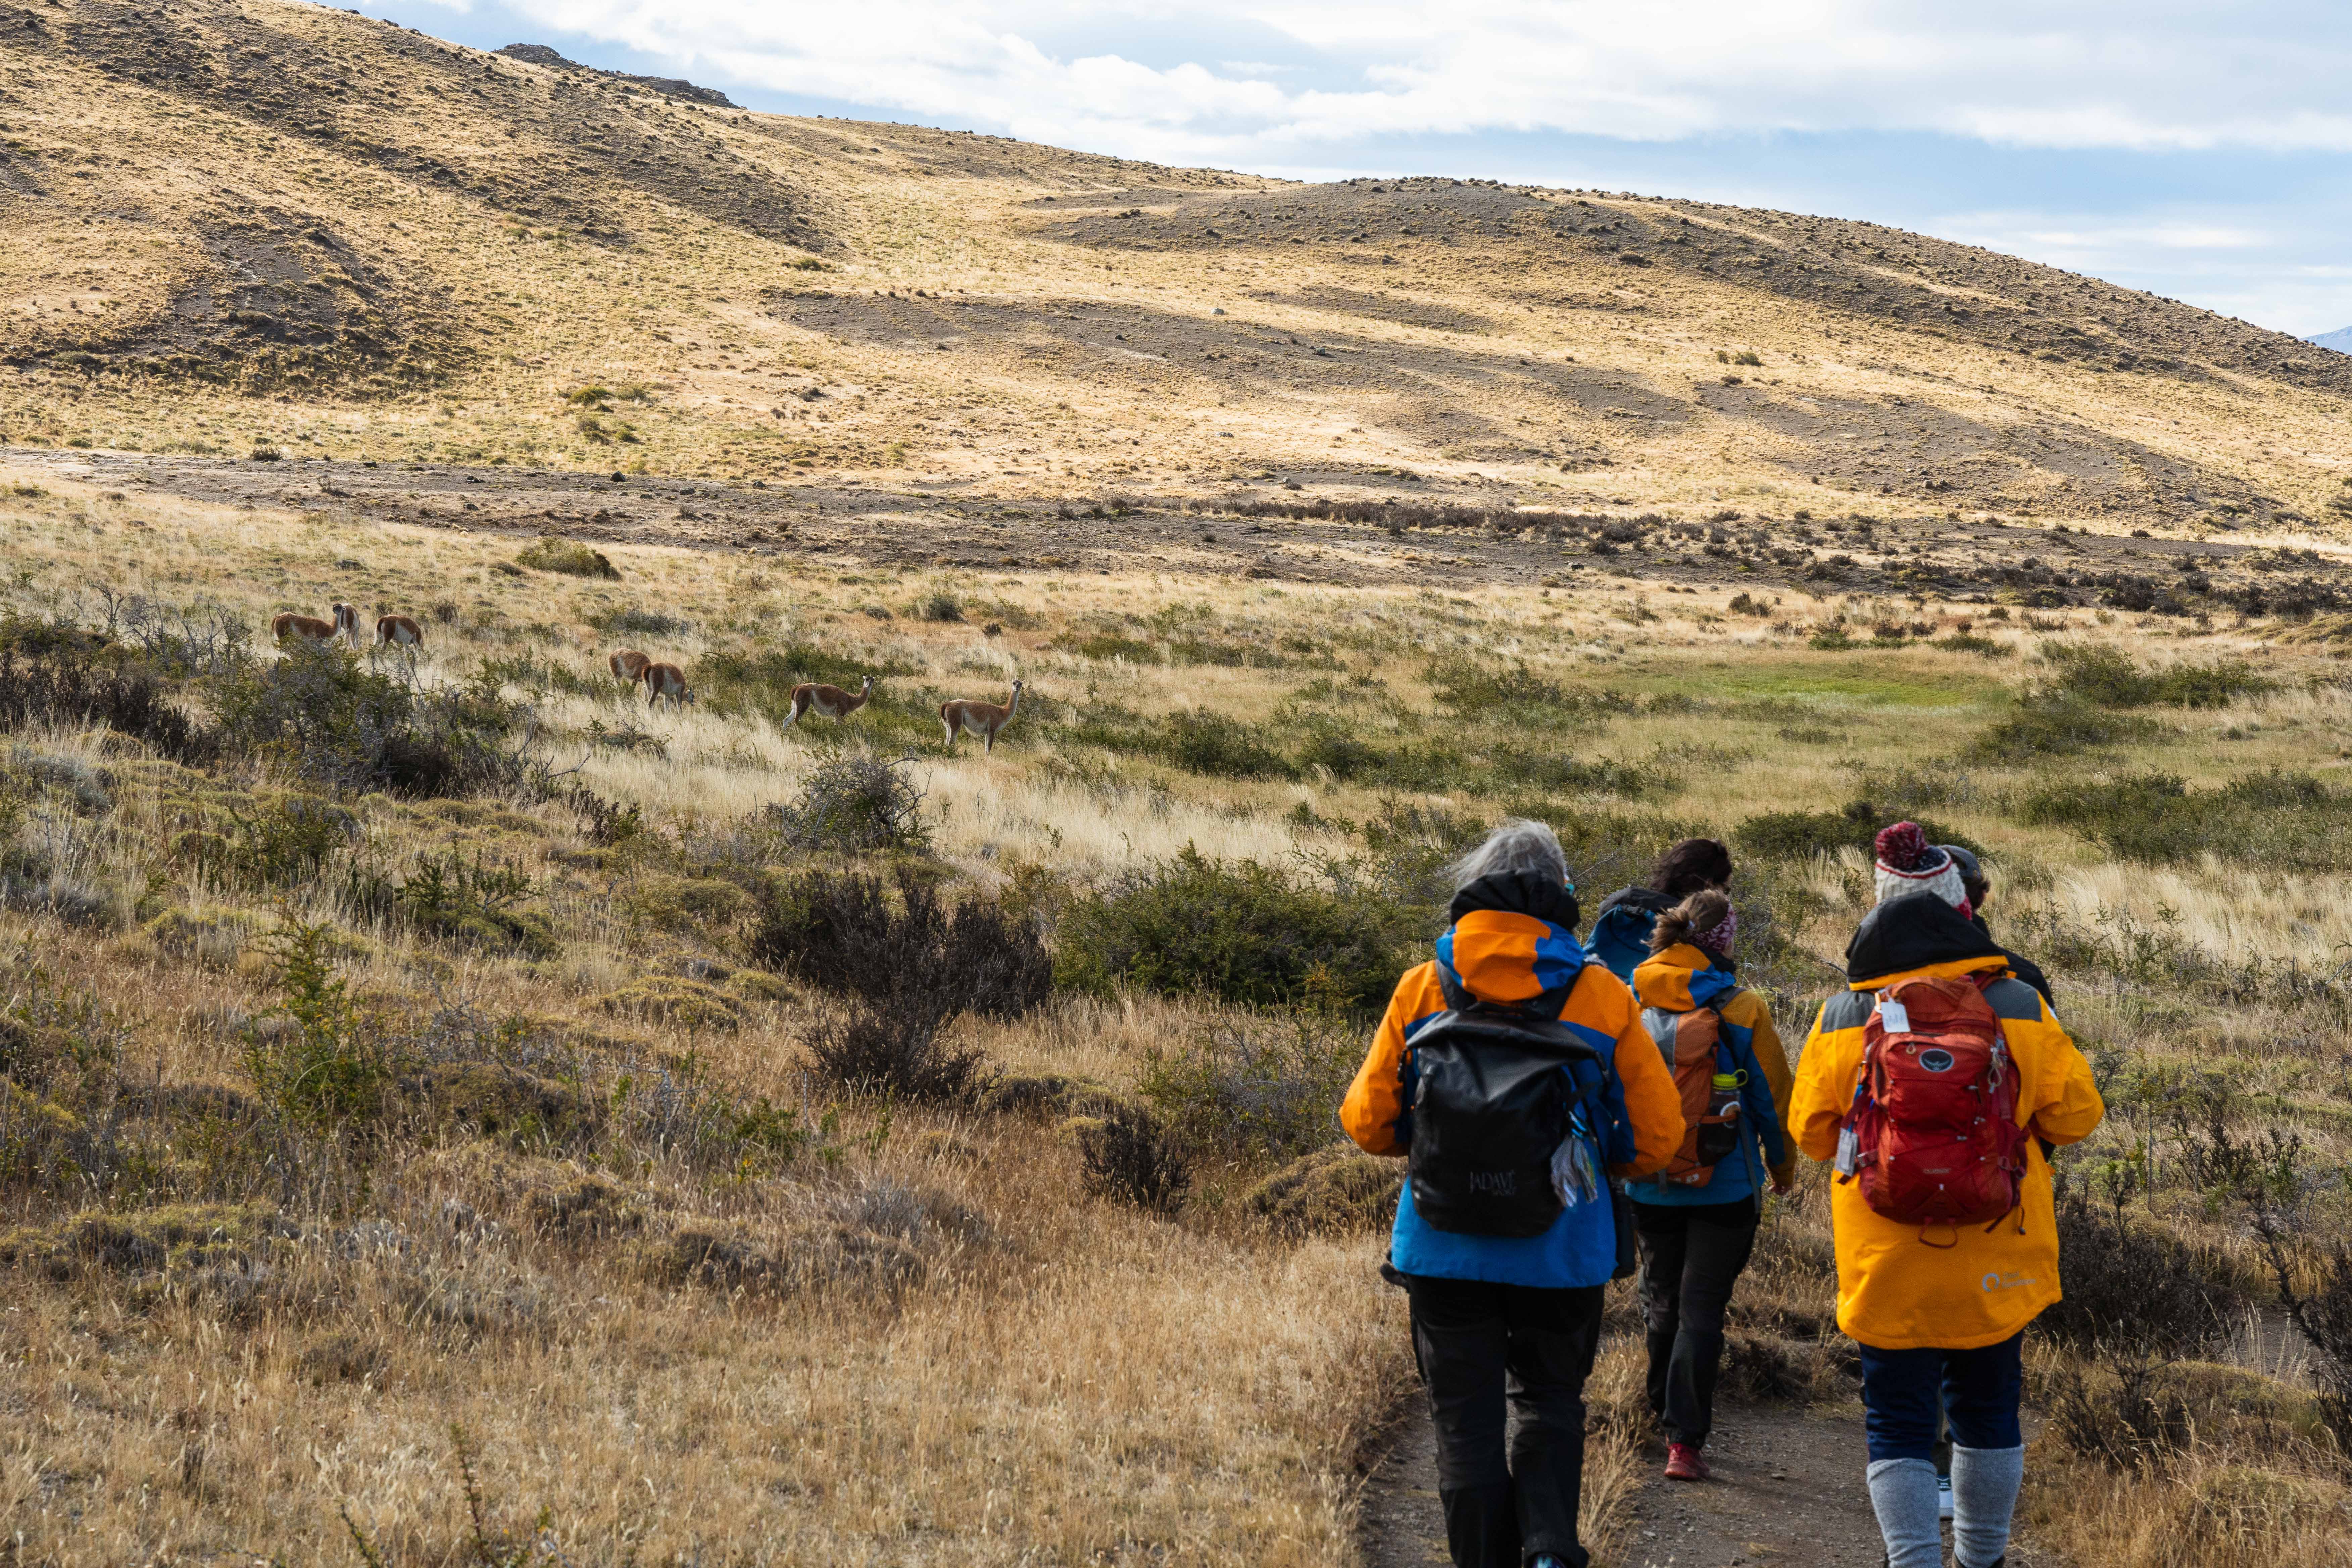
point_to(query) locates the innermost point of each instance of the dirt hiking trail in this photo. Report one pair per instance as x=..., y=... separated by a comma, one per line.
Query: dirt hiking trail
x=1788, y=1493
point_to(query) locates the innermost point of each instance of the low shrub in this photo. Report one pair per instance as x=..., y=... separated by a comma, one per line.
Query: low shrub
x=1794, y=834
x=2107, y=677
x=854, y=805
x=894, y=1047
x=287, y=841
x=845, y=933
x=633, y=622
x=65, y=684
x=1968, y=642
x=1220, y=746
x=472, y=902
x=2133, y=1289
x=1239, y=930
x=2128, y=1420
x=340, y=723
x=2060, y=726
x=551, y=552
x=1334, y=1191
x=1256, y=1088
x=687, y=1003
x=331, y=1062
x=1126, y=1155
x=2270, y=818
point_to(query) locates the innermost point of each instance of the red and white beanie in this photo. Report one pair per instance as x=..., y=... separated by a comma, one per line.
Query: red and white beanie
x=1907, y=863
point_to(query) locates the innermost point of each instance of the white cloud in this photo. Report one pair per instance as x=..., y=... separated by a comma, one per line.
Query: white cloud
x=2159, y=75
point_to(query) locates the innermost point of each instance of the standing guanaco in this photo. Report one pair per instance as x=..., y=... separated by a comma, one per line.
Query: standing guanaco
x=830, y=701
x=629, y=665
x=347, y=622
x=309, y=629
x=982, y=718
x=666, y=680
x=399, y=630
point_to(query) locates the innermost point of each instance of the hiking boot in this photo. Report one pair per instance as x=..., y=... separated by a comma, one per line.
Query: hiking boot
x=1683, y=1463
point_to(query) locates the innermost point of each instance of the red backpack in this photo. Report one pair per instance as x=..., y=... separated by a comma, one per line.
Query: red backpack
x=1933, y=1131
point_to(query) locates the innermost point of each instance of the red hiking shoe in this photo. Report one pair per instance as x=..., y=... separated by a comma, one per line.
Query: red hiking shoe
x=1682, y=1464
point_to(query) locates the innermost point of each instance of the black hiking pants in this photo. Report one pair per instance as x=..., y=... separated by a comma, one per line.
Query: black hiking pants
x=1504, y=1366
x=1691, y=1257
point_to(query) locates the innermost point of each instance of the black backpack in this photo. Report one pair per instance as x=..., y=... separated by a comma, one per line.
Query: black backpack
x=1490, y=1106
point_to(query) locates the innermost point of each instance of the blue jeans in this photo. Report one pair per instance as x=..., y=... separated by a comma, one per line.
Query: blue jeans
x=1980, y=1392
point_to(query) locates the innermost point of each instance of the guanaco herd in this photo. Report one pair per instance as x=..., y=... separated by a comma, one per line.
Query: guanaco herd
x=397, y=630
x=667, y=682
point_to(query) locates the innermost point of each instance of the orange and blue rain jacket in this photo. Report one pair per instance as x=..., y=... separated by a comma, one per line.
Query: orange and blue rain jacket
x=1520, y=960
x=1684, y=977
x=1896, y=1291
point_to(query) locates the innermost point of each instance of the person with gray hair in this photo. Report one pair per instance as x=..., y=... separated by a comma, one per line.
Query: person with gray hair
x=1511, y=1069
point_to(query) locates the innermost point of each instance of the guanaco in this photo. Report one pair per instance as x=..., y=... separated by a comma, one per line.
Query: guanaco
x=666, y=680
x=347, y=622
x=398, y=629
x=629, y=665
x=980, y=719
x=309, y=629
x=830, y=701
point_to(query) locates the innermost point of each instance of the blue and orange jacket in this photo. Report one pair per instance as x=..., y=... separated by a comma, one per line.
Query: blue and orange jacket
x=1684, y=977
x=1504, y=957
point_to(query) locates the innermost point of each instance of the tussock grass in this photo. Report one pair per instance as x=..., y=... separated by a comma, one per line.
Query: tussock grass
x=518, y=1184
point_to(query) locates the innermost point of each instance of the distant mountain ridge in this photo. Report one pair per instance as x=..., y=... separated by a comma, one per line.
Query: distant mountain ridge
x=2340, y=340
x=676, y=87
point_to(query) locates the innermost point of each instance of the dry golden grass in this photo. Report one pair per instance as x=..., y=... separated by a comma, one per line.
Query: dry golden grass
x=1037, y=1374
x=941, y=1349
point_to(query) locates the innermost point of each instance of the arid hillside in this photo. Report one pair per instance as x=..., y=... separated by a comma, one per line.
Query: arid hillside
x=234, y=224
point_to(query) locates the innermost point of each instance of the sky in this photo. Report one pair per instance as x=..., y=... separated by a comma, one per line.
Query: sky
x=2198, y=151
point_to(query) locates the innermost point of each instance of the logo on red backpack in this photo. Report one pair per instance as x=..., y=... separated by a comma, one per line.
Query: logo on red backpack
x=1933, y=1135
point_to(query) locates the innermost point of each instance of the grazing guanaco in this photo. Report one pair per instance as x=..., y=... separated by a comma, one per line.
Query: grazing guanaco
x=399, y=630
x=309, y=629
x=980, y=719
x=629, y=665
x=830, y=701
x=666, y=680
x=347, y=622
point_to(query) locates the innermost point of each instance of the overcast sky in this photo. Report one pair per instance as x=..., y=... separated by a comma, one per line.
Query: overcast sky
x=2202, y=151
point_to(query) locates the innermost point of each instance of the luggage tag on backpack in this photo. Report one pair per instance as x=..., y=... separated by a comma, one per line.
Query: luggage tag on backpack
x=1893, y=1017
x=1849, y=1153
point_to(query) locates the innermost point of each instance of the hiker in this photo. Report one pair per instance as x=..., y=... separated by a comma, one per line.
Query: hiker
x=1621, y=929
x=1942, y=1263
x=1697, y=1217
x=1507, y=1230
x=1978, y=893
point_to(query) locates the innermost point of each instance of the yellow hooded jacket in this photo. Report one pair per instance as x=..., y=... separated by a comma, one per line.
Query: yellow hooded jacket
x=1896, y=1291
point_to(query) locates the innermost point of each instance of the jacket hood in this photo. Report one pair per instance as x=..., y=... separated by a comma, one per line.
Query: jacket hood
x=1917, y=931
x=1620, y=929
x=1649, y=900
x=1511, y=942
x=1682, y=977
x=1521, y=893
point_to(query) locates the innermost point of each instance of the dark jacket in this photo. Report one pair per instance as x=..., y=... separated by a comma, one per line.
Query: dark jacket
x=2025, y=969
x=1622, y=927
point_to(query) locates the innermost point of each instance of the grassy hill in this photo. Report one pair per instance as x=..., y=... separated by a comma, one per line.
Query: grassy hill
x=232, y=223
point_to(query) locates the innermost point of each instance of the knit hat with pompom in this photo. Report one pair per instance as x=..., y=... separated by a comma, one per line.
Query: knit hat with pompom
x=1907, y=863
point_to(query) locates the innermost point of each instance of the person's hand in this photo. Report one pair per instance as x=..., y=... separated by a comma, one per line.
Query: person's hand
x=1782, y=1189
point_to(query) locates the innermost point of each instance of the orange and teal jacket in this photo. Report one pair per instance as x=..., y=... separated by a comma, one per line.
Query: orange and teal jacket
x=1505, y=957
x=1894, y=1290
x=1684, y=977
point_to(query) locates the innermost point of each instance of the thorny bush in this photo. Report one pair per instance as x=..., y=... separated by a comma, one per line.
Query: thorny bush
x=845, y=933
